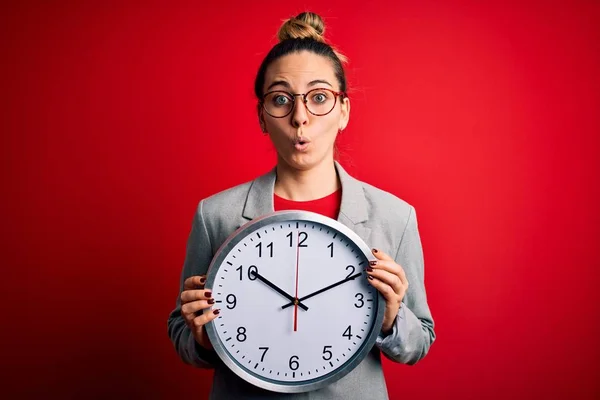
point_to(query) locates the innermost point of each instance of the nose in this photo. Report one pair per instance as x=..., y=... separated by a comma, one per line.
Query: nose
x=300, y=113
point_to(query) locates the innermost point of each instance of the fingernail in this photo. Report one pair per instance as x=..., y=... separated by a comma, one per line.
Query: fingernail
x=216, y=312
x=208, y=294
x=202, y=280
x=375, y=250
x=370, y=277
x=369, y=269
x=211, y=301
x=373, y=262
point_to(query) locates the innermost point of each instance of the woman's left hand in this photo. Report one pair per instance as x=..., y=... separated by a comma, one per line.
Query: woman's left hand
x=388, y=277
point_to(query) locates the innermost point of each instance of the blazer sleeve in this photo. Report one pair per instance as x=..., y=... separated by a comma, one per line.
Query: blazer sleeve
x=413, y=330
x=197, y=259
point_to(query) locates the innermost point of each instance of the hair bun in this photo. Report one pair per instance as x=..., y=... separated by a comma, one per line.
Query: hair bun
x=306, y=25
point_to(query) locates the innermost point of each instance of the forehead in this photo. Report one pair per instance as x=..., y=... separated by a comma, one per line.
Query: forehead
x=298, y=69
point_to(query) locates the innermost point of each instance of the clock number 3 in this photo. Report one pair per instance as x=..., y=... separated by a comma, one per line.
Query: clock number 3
x=361, y=302
x=251, y=276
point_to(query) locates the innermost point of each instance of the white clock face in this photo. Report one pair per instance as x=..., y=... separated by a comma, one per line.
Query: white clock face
x=261, y=330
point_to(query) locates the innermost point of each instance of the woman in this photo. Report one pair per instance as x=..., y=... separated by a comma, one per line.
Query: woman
x=301, y=90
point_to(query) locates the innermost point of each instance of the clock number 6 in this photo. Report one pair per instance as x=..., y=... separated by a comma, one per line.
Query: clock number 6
x=326, y=351
x=251, y=276
x=294, y=364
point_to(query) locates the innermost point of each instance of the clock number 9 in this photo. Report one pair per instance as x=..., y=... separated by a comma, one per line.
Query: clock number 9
x=360, y=298
x=231, y=300
x=329, y=353
x=294, y=364
x=250, y=269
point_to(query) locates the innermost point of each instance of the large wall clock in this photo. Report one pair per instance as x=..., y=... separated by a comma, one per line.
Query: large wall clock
x=297, y=312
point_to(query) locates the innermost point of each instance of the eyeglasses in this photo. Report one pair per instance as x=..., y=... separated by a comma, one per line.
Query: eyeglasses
x=320, y=101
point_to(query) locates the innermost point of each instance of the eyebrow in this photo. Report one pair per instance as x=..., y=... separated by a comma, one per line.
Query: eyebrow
x=287, y=85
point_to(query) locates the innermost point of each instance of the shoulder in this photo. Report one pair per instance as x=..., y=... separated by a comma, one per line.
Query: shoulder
x=221, y=213
x=225, y=201
x=386, y=204
x=389, y=217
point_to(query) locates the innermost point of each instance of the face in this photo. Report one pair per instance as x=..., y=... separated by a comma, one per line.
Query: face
x=304, y=140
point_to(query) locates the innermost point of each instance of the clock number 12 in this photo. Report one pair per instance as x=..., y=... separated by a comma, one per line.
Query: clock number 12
x=302, y=236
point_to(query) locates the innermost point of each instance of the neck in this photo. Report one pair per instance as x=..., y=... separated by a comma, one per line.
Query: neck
x=315, y=183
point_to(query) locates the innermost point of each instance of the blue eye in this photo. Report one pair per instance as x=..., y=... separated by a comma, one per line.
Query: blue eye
x=320, y=98
x=281, y=100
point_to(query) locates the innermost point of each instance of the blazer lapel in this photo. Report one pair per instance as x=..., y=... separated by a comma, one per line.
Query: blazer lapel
x=260, y=196
x=354, y=207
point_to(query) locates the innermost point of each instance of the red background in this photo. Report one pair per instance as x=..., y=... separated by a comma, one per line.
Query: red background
x=117, y=118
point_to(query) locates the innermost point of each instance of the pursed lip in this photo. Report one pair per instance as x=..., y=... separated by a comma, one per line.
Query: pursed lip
x=301, y=141
x=301, y=144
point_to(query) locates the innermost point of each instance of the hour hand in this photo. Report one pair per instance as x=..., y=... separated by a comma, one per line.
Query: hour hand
x=278, y=290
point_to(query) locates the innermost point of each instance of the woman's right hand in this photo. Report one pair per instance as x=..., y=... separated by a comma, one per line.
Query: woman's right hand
x=195, y=297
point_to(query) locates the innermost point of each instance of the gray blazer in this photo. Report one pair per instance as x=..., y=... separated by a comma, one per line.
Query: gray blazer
x=381, y=219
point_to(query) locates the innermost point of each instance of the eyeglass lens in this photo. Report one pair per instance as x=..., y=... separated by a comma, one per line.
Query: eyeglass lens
x=318, y=101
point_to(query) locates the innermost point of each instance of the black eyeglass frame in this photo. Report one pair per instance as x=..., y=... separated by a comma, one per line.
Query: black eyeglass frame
x=304, y=100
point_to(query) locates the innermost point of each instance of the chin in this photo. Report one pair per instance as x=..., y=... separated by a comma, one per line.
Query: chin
x=302, y=162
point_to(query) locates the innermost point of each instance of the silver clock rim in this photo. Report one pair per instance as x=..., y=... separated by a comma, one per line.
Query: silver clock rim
x=315, y=383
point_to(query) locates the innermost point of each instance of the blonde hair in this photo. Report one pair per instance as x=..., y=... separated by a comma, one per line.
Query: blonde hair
x=304, y=32
x=306, y=25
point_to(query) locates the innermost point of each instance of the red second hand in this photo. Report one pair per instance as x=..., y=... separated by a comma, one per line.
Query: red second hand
x=296, y=297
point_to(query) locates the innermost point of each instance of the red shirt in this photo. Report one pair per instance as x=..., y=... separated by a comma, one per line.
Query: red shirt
x=328, y=205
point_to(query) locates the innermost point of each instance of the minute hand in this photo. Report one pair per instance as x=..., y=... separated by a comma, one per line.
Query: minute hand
x=308, y=296
x=278, y=290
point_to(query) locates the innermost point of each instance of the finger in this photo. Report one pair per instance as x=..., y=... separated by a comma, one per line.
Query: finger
x=201, y=320
x=194, y=282
x=193, y=295
x=392, y=267
x=386, y=290
x=189, y=310
x=381, y=255
x=388, y=278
